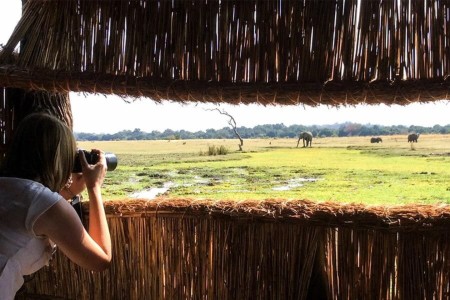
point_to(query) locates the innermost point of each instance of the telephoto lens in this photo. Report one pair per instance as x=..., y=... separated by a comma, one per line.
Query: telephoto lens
x=111, y=161
x=92, y=159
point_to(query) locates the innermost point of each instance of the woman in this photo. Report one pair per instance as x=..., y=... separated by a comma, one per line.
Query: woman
x=34, y=216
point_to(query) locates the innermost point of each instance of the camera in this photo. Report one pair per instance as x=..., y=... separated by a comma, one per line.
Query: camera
x=92, y=158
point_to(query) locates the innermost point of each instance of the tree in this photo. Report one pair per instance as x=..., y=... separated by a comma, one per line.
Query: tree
x=232, y=123
x=326, y=132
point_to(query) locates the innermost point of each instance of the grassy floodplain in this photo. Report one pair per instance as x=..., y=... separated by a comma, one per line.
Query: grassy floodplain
x=349, y=169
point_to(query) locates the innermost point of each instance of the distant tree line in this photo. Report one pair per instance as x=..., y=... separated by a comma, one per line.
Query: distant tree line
x=266, y=131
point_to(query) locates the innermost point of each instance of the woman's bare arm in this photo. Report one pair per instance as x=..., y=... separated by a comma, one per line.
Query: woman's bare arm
x=63, y=226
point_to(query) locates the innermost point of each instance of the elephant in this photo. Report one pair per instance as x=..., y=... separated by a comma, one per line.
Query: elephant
x=413, y=137
x=305, y=136
x=376, y=139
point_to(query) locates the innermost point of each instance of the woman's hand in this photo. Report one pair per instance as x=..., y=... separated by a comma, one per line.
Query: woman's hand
x=93, y=175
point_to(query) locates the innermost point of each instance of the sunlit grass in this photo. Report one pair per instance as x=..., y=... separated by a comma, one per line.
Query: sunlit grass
x=337, y=169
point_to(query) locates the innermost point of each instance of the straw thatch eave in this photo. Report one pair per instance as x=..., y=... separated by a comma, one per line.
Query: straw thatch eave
x=269, y=52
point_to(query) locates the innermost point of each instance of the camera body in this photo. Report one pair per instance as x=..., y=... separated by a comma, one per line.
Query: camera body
x=92, y=158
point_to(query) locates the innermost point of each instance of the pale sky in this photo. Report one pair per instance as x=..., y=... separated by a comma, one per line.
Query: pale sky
x=117, y=115
x=110, y=114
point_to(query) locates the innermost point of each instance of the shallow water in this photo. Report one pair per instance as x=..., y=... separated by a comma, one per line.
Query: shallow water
x=294, y=183
x=152, y=193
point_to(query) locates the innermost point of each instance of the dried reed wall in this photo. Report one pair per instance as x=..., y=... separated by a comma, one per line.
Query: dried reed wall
x=273, y=249
x=15, y=104
x=269, y=52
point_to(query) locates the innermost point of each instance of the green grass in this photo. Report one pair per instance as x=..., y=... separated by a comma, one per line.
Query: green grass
x=336, y=169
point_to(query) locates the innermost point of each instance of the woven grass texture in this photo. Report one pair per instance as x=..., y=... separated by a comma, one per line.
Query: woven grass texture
x=269, y=52
x=172, y=249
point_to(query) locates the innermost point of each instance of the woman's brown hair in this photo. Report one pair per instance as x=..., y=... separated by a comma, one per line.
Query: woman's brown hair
x=43, y=149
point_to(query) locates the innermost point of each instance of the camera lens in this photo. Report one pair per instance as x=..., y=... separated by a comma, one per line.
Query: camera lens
x=111, y=161
x=92, y=158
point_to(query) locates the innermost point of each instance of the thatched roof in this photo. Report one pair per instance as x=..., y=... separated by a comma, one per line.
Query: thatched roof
x=236, y=51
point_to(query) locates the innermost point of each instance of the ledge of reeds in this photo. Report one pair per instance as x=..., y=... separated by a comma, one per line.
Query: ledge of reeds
x=414, y=217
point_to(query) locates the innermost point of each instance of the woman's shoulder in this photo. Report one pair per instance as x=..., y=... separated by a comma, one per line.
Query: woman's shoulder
x=14, y=182
x=28, y=194
x=23, y=186
x=18, y=189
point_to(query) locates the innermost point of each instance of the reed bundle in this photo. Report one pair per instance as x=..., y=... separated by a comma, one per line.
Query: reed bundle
x=191, y=249
x=268, y=52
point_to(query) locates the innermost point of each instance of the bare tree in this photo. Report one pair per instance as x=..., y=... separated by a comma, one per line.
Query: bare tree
x=232, y=123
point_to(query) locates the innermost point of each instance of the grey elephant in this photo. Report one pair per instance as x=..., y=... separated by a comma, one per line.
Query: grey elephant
x=376, y=139
x=413, y=137
x=307, y=137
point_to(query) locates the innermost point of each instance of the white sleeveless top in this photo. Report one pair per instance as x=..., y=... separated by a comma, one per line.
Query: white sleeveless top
x=22, y=202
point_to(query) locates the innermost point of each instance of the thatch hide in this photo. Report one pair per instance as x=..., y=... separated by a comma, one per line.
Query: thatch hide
x=269, y=52
x=280, y=52
x=167, y=249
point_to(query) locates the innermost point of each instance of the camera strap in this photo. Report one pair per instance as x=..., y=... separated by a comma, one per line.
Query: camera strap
x=76, y=204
